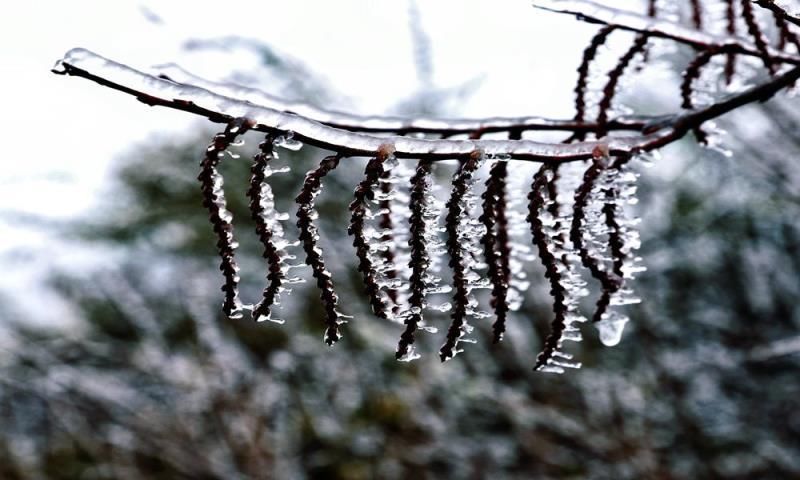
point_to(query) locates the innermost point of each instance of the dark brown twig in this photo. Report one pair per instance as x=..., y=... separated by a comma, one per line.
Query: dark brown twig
x=603, y=14
x=778, y=11
x=396, y=125
x=786, y=35
x=656, y=133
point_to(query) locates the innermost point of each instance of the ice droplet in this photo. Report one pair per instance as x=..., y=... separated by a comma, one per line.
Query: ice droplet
x=390, y=162
x=428, y=329
x=445, y=307
x=610, y=329
x=269, y=318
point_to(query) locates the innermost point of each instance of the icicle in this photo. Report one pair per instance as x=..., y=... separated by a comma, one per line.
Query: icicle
x=366, y=251
x=601, y=211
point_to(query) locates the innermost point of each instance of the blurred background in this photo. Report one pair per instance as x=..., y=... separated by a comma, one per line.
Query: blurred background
x=116, y=362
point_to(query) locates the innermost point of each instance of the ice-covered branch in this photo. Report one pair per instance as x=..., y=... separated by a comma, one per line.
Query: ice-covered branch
x=596, y=13
x=221, y=109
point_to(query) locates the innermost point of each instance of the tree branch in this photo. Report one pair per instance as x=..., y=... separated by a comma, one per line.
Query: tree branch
x=596, y=13
x=221, y=109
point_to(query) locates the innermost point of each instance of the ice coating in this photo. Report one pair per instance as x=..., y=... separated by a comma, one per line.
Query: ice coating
x=153, y=90
x=370, y=123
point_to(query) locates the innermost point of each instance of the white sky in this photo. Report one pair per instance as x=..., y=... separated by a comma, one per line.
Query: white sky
x=61, y=134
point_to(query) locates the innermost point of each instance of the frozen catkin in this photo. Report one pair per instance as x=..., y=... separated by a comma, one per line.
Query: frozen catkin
x=461, y=233
x=211, y=186
x=420, y=203
x=365, y=240
x=270, y=231
x=309, y=237
x=496, y=248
